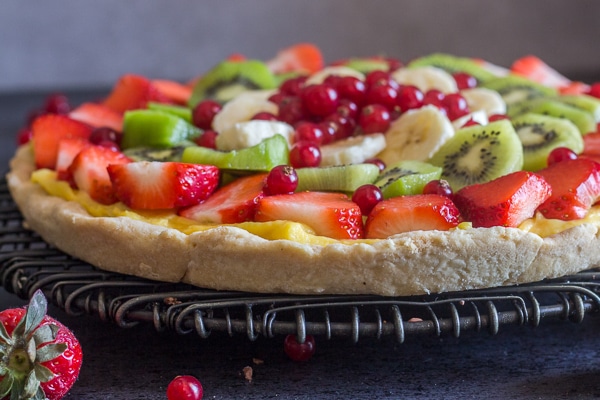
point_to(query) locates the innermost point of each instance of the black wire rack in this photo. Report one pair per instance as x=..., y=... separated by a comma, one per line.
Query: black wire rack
x=27, y=264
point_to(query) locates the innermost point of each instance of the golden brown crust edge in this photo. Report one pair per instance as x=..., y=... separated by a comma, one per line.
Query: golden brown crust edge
x=228, y=258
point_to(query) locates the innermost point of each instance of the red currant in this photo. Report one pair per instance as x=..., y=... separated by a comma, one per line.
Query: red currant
x=348, y=109
x=409, y=97
x=594, y=90
x=470, y=122
x=320, y=100
x=293, y=86
x=434, y=97
x=291, y=110
x=207, y=139
x=375, y=76
x=24, y=135
x=204, y=113
x=342, y=125
x=374, y=118
x=438, y=186
x=455, y=105
x=378, y=162
x=185, y=387
x=277, y=98
x=264, y=116
x=105, y=134
x=282, y=179
x=57, y=103
x=464, y=80
x=367, y=196
x=329, y=131
x=305, y=154
x=309, y=131
x=351, y=88
x=382, y=93
x=299, y=351
x=561, y=154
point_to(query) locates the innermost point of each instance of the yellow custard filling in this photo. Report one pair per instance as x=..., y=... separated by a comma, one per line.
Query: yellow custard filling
x=268, y=230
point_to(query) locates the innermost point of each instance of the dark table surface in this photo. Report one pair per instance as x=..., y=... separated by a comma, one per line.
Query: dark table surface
x=559, y=359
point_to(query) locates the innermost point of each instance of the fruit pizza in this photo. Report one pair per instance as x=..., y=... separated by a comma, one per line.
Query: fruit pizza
x=292, y=175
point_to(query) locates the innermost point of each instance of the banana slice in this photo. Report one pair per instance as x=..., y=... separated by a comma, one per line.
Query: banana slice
x=353, y=150
x=416, y=135
x=243, y=108
x=249, y=133
x=483, y=99
x=319, y=77
x=426, y=78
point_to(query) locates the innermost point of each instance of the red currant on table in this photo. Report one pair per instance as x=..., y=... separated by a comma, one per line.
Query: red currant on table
x=282, y=179
x=561, y=154
x=299, y=351
x=185, y=387
x=204, y=113
x=367, y=196
x=374, y=118
x=305, y=154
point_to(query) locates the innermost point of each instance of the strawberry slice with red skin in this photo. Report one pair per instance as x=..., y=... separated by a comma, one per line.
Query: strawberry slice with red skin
x=302, y=57
x=421, y=212
x=67, y=151
x=133, y=92
x=153, y=185
x=506, y=201
x=329, y=214
x=174, y=91
x=230, y=204
x=575, y=188
x=88, y=172
x=98, y=115
x=48, y=130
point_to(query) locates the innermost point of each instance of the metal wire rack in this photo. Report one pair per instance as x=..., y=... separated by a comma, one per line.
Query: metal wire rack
x=27, y=263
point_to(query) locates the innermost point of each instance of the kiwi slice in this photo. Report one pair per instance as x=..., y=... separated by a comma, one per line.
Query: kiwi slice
x=182, y=112
x=582, y=119
x=151, y=128
x=262, y=157
x=540, y=134
x=583, y=102
x=340, y=178
x=406, y=177
x=230, y=78
x=478, y=154
x=153, y=154
x=515, y=90
x=453, y=64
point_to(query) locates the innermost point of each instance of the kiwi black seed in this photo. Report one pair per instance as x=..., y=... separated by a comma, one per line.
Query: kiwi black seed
x=478, y=154
x=540, y=134
x=228, y=79
x=406, y=177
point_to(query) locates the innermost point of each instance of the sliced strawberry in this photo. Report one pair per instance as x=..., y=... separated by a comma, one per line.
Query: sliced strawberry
x=505, y=201
x=67, y=151
x=174, y=91
x=302, y=57
x=132, y=92
x=48, y=130
x=98, y=115
x=89, y=173
x=230, y=204
x=591, y=143
x=538, y=71
x=328, y=214
x=575, y=187
x=152, y=185
x=411, y=213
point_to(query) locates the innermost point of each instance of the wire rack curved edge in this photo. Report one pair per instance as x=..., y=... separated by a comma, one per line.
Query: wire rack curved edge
x=27, y=263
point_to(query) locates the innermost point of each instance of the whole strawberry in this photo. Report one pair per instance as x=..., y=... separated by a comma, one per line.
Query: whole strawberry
x=40, y=358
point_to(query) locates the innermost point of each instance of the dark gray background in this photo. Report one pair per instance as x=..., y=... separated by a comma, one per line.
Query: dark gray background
x=82, y=43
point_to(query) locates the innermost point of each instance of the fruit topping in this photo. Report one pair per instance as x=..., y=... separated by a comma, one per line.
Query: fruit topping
x=338, y=178
x=98, y=115
x=151, y=185
x=575, y=188
x=133, y=92
x=367, y=196
x=406, y=177
x=411, y=213
x=185, y=387
x=282, y=179
x=505, y=201
x=328, y=214
x=300, y=58
x=155, y=129
x=299, y=351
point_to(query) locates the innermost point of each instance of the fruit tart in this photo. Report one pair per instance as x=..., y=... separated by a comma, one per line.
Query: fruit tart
x=292, y=175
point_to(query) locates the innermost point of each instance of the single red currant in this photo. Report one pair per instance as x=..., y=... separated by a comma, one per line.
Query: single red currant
x=305, y=154
x=351, y=88
x=438, y=186
x=464, y=80
x=560, y=154
x=105, y=134
x=299, y=351
x=204, y=113
x=378, y=162
x=291, y=110
x=434, y=97
x=343, y=126
x=382, y=93
x=309, y=131
x=367, y=196
x=456, y=105
x=282, y=179
x=207, y=139
x=348, y=109
x=57, y=103
x=319, y=100
x=375, y=76
x=374, y=118
x=293, y=86
x=24, y=135
x=409, y=98
x=185, y=387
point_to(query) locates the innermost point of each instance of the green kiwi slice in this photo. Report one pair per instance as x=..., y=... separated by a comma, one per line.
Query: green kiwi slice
x=230, y=78
x=406, y=177
x=340, y=178
x=584, y=121
x=583, y=102
x=262, y=157
x=540, y=134
x=453, y=64
x=153, y=154
x=478, y=154
x=157, y=129
x=182, y=112
x=515, y=90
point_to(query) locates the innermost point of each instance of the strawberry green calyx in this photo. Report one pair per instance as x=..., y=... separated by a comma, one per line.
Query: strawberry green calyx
x=23, y=351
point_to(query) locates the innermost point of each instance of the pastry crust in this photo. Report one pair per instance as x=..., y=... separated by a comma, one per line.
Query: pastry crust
x=230, y=258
